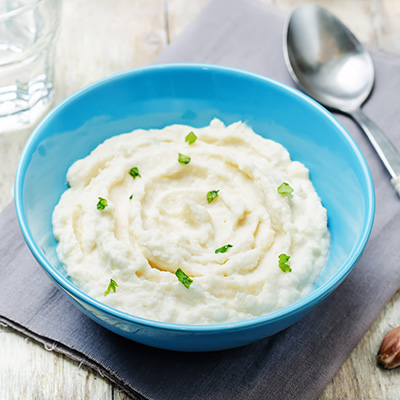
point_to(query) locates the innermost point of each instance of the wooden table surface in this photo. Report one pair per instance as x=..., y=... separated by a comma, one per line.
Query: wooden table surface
x=101, y=37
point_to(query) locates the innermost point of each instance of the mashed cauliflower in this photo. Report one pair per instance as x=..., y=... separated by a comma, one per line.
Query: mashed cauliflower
x=134, y=214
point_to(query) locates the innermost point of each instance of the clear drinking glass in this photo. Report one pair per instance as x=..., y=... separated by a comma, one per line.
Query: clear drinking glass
x=28, y=31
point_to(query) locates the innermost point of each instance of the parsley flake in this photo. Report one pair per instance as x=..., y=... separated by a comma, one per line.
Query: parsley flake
x=183, y=159
x=283, y=259
x=112, y=286
x=183, y=278
x=131, y=197
x=212, y=195
x=285, y=189
x=102, y=203
x=190, y=138
x=134, y=172
x=223, y=249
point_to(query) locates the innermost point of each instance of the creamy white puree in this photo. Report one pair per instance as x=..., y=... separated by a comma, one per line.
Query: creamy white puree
x=168, y=223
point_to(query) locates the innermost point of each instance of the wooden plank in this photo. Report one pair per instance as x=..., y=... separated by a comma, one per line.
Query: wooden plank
x=360, y=377
x=28, y=371
x=106, y=37
x=386, y=23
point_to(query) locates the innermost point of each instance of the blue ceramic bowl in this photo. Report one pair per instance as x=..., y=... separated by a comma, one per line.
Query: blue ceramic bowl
x=161, y=95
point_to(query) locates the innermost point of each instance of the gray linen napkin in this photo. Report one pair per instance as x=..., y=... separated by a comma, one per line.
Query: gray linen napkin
x=294, y=364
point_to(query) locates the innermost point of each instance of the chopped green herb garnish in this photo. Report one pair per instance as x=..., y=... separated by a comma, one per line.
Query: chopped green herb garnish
x=102, y=204
x=183, y=278
x=134, y=172
x=131, y=197
x=285, y=189
x=112, y=286
x=212, y=195
x=183, y=159
x=283, y=259
x=223, y=249
x=190, y=138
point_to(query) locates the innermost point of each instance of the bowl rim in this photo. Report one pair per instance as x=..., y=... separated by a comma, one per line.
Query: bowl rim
x=300, y=305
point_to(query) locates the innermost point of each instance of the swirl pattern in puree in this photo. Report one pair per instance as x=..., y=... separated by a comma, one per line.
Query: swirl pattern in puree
x=161, y=220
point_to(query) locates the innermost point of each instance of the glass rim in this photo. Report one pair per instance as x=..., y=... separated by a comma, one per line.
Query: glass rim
x=22, y=8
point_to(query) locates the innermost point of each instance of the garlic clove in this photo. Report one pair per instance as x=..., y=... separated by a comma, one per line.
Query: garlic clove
x=389, y=352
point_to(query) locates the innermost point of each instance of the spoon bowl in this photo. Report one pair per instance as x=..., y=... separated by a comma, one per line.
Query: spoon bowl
x=326, y=59
x=328, y=63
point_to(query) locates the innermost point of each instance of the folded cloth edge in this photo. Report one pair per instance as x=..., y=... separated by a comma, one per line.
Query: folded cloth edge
x=51, y=345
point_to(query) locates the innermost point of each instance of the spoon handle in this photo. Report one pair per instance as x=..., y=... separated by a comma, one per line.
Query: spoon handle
x=383, y=146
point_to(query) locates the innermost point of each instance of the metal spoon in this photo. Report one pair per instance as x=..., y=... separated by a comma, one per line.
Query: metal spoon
x=329, y=64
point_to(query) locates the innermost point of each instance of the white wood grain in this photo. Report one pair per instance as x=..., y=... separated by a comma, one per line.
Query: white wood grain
x=387, y=23
x=101, y=37
x=28, y=371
